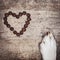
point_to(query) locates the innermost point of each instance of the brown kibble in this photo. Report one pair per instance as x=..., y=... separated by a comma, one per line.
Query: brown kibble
x=5, y=22
x=11, y=28
x=8, y=25
x=20, y=14
x=24, y=12
x=27, y=22
x=10, y=13
x=5, y=18
x=18, y=34
x=17, y=16
x=25, y=26
x=13, y=14
x=6, y=14
x=28, y=15
x=15, y=32
x=21, y=32
x=23, y=29
x=28, y=19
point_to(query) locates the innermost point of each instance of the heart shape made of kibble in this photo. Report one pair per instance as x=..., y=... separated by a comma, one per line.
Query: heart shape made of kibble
x=17, y=16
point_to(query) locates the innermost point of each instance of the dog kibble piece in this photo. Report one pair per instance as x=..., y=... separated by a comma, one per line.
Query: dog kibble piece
x=28, y=15
x=17, y=16
x=25, y=26
x=18, y=34
x=8, y=25
x=23, y=29
x=5, y=18
x=5, y=22
x=6, y=15
x=11, y=28
x=14, y=32
x=9, y=12
x=20, y=14
x=24, y=12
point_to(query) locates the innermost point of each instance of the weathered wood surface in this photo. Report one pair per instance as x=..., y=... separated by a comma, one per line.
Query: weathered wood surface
x=44, y=14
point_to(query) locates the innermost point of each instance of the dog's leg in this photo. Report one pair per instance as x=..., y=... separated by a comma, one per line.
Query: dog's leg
x=48, y=47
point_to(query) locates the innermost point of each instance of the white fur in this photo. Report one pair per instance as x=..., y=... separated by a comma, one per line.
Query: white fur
x=48, y=47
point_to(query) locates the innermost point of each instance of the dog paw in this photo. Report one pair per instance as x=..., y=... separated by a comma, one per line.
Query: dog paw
x=48, y=46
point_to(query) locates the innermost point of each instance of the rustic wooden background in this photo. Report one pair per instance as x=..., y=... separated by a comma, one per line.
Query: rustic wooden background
x=44, y=13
